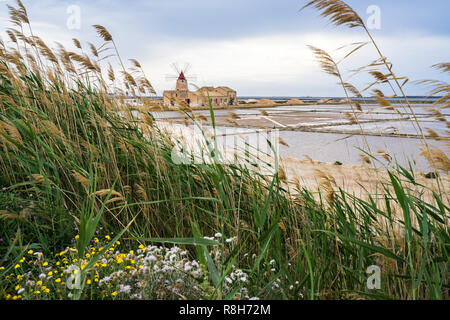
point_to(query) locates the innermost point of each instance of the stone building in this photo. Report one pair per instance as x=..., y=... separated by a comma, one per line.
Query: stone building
x=220, y=96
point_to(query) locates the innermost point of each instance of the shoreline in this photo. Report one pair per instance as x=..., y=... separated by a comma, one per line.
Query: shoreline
x=161, y=107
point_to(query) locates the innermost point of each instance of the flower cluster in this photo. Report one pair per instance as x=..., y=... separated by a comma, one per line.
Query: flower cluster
x=145, y=273
x=158, y=273
x=237, y=278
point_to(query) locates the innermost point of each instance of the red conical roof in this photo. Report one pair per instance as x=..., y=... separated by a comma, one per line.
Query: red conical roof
x=181, y=77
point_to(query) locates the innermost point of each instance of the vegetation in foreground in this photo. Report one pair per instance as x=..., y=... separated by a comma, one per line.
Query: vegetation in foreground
x=93, y=199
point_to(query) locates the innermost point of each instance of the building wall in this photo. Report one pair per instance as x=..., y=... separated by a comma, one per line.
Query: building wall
x=171, y=98
x=221, y=96
x=182, y=85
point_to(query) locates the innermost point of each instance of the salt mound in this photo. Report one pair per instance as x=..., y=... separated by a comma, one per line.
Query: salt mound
x=324, y=101
x=345, y=101
x=266, y=102
x=295, y=101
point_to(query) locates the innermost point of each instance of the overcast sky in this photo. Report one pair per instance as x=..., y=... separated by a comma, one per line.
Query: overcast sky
x=257, y=47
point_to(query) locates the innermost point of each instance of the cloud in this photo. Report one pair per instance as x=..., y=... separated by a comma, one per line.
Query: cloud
x=255, y=46
x=283, y=65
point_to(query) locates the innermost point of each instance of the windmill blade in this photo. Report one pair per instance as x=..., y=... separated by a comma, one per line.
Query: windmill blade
x=187, y=67
x=171, y=77
x=178, y=71
x=176, y=67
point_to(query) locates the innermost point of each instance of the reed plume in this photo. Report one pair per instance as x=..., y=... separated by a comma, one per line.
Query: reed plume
x=338, y=12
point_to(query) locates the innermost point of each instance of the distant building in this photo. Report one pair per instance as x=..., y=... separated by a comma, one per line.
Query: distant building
x=220, y=96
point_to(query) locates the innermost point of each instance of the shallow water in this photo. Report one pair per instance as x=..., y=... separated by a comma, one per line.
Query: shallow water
x=332, y=147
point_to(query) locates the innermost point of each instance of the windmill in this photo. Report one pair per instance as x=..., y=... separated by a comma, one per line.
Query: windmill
x=181, y=73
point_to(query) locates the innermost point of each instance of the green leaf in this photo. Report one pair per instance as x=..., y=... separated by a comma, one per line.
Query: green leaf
x=372, y=247
x=181, y=241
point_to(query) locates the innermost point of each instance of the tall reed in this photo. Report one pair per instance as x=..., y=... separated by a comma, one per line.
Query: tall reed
x=87, y=162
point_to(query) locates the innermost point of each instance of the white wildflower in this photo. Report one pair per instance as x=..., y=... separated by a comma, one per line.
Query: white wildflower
x=125, y=289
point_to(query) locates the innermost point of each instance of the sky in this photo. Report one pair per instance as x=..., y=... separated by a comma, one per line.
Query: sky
x=257, y=47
